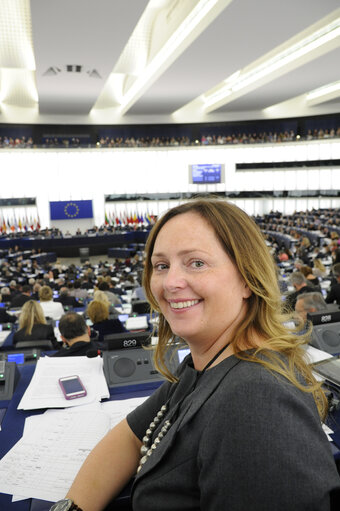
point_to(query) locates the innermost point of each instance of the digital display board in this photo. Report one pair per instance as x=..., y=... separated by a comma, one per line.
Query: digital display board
x=206, y=173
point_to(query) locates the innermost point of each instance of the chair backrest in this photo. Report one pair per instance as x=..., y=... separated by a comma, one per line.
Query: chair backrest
x=141, y=307
x=43, y=344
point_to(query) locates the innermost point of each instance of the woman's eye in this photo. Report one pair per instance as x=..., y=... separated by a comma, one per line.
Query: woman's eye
x=198, y=264
x=160, y=266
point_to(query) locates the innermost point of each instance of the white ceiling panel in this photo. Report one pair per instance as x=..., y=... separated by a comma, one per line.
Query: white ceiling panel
x=100, y=61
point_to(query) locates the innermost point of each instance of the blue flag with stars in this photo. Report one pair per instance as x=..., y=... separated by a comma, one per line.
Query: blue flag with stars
x=71, y=210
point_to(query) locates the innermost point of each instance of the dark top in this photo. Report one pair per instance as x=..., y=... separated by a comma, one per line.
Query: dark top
x=39, y=332
x=68, y=301
x=334, y=294
x=6, y=318
x=107, y=327
x=76, y=350
x=244, y=439
x=19, y=300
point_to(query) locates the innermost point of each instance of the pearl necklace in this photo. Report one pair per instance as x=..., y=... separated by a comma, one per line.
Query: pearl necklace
x=147, y=449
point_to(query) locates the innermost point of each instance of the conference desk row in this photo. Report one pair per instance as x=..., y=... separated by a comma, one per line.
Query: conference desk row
x=69, y=247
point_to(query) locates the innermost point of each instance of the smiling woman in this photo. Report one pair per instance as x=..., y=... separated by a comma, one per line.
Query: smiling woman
x=197, y=287
x=237, y=427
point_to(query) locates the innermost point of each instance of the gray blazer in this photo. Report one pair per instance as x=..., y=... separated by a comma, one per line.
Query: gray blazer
x=244, y=439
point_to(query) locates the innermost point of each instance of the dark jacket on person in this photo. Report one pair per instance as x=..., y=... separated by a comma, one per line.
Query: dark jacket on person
x=19, y=300
x=5, y=317
x=334, y=294
x=77, y=349
x=68, y=301
x=40, y=332
x=107, y=327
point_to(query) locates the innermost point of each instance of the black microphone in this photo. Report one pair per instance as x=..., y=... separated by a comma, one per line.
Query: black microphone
x=92, y=353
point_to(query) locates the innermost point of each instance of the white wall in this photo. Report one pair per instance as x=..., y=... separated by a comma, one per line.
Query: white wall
x=52, y=175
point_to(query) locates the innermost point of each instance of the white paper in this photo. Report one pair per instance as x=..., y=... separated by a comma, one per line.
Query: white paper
x=117, y=410
x=44, y=390
x=315, y=355
x=3, y=336
x=45, y=461
x=136, y=323
x=54, y=445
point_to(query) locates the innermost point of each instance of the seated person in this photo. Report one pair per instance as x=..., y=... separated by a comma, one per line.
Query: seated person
x=307, y=271
x=309, y=302
x=100, y=296
x=53, y=310
x=78, y=292
x=98, y=313
x=301, y=285
x=5, y=317
x=334, y=292
x=66, y=300
x=21, y=298
x=32, y=325
x=114, y=300
x=6, y=295
x=75, y=335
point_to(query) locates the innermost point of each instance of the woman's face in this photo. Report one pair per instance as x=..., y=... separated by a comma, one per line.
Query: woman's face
x=198, y=288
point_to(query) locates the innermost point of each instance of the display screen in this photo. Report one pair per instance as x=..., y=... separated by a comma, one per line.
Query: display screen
x=72, y=386
x=208, y=173
x=18, y=358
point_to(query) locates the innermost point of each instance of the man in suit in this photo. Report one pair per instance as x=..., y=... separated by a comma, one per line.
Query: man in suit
x=334, y=292
x=75, y=335
x=20, y=299
x=301, y=286
x=66, y=300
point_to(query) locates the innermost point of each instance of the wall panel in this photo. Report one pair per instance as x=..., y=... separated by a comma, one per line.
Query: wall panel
x=49, y=174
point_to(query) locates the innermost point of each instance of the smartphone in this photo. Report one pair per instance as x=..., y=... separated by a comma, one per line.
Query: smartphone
x=72, y=387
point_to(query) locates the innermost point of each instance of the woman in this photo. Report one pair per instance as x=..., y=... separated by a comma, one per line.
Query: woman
x=53, y=310
x=307, y=271
x=98, y=312
x=238, y=427
x=32, y=325
x=101, y=296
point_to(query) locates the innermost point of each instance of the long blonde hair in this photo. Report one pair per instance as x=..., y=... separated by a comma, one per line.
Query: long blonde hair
x=31, y=314
x=243, y=242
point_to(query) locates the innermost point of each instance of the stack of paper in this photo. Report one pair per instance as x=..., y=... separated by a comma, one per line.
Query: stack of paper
x=45, y=461
x=44, y=390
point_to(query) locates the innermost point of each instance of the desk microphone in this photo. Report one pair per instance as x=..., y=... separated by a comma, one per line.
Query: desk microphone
x=92, y=353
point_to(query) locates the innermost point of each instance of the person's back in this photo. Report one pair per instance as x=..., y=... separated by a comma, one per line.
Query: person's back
x=75, y=335
x=39, y=332
x=334, y=292
x=107, y=327
x=33, y=326
x=51, y=309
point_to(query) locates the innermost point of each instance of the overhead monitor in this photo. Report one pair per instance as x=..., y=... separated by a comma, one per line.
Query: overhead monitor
x=206, y=173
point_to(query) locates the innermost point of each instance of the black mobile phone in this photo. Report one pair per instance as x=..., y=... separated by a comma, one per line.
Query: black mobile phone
x=72, y=387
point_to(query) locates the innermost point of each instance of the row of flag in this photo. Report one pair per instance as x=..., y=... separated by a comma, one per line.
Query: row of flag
x=112, y=218
x=20, y=224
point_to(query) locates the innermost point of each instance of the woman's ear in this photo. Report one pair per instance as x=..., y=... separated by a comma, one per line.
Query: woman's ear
x=247, y=291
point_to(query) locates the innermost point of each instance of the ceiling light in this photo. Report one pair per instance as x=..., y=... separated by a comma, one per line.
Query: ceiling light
x=330, y=91
x=264, y=72
x=201, y=15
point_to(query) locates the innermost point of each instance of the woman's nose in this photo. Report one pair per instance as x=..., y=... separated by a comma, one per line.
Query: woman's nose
x=174, y=279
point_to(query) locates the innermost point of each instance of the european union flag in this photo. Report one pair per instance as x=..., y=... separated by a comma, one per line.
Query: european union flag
x=71, y=210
